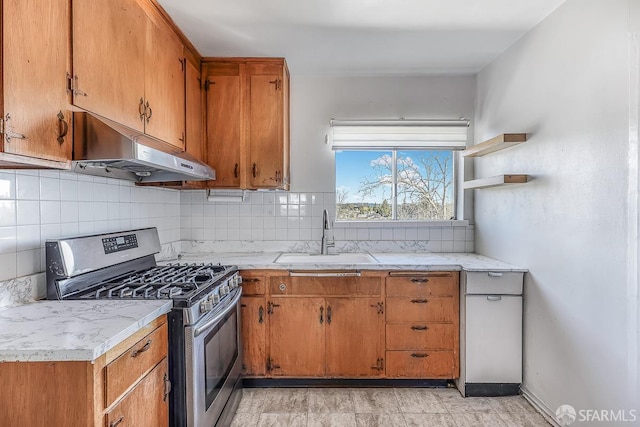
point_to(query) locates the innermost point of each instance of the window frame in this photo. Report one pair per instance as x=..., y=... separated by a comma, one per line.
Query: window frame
x=394, y=187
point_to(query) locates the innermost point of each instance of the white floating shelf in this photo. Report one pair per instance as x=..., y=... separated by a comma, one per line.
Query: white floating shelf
x=498, y=143
x=494, y=181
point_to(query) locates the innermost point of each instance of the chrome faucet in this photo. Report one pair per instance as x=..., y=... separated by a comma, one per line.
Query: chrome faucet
x=326, y=225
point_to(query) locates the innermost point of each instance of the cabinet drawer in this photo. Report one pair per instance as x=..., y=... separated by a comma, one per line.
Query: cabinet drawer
x=421, y=336
x=310, y=285
x=253, y=283
x=432, y=309
x=497, y=283
x=134, y=363
x=423, y=285
x=421, y=364
x=147, y=404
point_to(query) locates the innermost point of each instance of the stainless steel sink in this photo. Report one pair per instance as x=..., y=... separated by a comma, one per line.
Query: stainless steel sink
x=342, y=258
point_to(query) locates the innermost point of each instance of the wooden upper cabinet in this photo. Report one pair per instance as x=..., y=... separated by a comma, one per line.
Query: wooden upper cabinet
x=194, y=124
x=36, y=127
x=165, y=85
x=128, y=66
x=224, y=124
x=248, y=122
x=268, y=86
x=109, y=45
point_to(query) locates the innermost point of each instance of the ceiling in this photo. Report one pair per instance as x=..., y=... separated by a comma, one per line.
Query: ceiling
x=361, y=37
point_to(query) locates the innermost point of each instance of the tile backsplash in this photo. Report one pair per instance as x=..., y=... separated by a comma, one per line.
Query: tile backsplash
x=40, y=205
x=287, y=220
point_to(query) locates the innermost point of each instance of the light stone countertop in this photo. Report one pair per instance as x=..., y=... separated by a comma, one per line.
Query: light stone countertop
x=72, y=330
x=424, y=261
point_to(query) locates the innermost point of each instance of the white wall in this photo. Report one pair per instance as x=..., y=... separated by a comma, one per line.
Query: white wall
x=315, y=100
x=567, y=84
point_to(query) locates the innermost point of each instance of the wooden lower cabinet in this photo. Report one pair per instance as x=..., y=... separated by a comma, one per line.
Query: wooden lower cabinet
x=373, y=325
x=354, y=337
x=422, y=325
x=128, y=383
x=253, y=312
x=146, y=404
x=296, y=337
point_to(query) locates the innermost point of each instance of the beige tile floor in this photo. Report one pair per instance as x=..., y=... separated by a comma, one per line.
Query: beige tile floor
x=380, y=407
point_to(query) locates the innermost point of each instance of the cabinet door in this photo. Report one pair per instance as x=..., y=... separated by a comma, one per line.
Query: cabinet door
x=164, y=85
x=296, y=337
x=150, y=394
x=355, y=337
x=194, y=120
x=35, y=48
x=254, y=314
x=224, y=124
x=266, y=125
x=108, y=59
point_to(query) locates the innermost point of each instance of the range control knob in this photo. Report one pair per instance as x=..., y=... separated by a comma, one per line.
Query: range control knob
x=224, y=290
x=216, y=299
x=206, y=306
x=233, y=282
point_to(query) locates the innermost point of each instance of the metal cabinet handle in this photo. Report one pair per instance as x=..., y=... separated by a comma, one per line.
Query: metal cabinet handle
x=261, y=314
x=63, y=128
x=420, y=301
x=235, y=171
x=321, y=315
x=328, y=315
x=254, y=170
x=250, y=279
x=494, y=274
x=167, y=387
x=420, y=328
x=419, y=355
x=116, y=422
x=494, y=298
x=419, y=280
x=141, y=110
x=277, y=83
x=147, y=107
x=142, y=349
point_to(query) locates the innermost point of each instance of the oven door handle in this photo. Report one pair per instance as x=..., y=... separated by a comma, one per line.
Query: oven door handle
x=203, y=328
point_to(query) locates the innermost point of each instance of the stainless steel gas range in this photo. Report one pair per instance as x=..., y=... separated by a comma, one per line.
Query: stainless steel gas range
x=204, y=324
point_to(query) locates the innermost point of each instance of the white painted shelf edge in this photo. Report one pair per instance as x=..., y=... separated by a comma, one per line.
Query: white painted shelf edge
x=494, y=181
x=497, y=143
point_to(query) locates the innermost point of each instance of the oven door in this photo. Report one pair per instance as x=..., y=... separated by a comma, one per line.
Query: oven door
x=213, y=361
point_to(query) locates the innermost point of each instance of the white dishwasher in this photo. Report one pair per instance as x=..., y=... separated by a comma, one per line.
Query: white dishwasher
x=490, y=333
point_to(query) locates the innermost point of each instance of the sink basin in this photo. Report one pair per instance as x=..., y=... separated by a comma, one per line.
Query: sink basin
x=343, y=258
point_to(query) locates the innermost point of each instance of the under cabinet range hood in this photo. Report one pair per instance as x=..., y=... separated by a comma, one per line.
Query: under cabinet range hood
x=105, y=148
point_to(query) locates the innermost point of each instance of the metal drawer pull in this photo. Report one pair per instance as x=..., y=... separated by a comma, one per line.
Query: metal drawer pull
x=494, y=274
x=144, y=348
x=251, y=280
x=419, y=328
x=312, y=274
x=116, y=422
x=420, y=301
x=494, y=298
x=321, y=315
x=261, y=314
x=419, y=280
x=329, y=315
x=419, y=355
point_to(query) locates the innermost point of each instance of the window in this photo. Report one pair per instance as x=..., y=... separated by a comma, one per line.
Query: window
x=396, y=171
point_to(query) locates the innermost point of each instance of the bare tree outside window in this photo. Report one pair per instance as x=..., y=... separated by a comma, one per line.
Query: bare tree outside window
x=423, y=180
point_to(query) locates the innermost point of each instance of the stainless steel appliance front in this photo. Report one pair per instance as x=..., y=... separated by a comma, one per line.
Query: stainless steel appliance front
x=213, y=362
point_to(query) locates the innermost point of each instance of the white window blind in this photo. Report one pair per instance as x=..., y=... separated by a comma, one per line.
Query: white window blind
x=399, y=134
